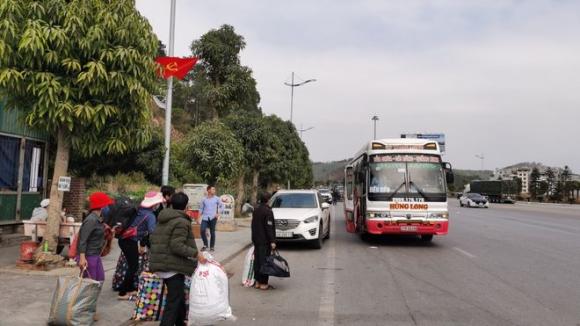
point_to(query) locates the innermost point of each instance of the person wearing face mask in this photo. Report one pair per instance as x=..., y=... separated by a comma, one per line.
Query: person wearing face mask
x=144, y=222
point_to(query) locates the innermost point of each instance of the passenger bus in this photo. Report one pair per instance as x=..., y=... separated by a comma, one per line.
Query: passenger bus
x=398, y=186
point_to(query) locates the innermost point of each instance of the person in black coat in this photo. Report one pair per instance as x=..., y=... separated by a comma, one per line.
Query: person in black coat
x=263, y=238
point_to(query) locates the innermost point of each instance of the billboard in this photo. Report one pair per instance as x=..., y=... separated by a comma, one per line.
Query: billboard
x=439, y=138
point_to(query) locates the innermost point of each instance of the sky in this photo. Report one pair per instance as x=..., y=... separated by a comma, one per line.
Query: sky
x=499, y=77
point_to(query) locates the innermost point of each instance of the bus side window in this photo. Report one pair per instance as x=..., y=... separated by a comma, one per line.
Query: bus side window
x=349, y=183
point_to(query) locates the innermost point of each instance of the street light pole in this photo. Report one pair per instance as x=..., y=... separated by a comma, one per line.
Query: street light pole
x=375, y=119
x=481, y=157
x=303, y=130
x=167, y=143
x=292, y=85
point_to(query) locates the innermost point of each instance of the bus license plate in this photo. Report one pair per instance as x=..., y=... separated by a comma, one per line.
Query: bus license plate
x=284, y=234
x=408, y=228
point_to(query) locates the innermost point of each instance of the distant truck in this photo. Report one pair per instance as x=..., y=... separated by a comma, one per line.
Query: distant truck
x=498, y=191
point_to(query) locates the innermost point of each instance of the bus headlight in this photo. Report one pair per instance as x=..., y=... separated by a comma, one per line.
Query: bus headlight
x=444, y=215
x=371, y=215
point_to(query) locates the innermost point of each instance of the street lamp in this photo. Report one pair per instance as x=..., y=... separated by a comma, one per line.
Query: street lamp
x=375, y=119
x=481, y=157
x=303, y=130
x=292, y=85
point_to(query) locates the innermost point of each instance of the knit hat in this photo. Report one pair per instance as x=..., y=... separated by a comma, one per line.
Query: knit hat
x=99, y=200
x=152, y=198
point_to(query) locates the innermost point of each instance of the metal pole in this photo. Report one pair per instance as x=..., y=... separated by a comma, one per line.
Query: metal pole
x=292, y=98
x=169, y=98
x=375, y=129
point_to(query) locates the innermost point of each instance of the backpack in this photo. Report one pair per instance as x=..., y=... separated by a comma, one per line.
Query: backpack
x=121, y=214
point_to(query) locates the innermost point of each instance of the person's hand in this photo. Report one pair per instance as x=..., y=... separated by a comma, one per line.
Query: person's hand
x=83, y=262
x=273, y=246
x=217, y=216
x=142, y=250
x=201, y=258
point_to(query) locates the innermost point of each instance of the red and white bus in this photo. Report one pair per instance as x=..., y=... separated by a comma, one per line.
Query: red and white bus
x=398, y=186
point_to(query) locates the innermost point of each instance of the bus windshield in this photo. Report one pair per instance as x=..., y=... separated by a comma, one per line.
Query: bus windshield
x=405, y=176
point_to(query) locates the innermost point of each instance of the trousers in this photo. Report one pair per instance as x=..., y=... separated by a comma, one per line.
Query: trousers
x=211, y=224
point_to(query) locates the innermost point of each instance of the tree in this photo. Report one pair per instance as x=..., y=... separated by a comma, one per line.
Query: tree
x=226, y=86
x=81, y=70
x=565, y=177
x=550, y=180
x=534, y=186
x=213, y=152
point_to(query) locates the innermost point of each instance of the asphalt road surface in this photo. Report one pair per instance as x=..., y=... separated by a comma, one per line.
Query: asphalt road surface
x=506, y=265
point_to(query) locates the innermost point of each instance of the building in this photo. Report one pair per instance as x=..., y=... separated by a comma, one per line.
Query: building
x=524, y=175
x=23, y=167
x=509, y=173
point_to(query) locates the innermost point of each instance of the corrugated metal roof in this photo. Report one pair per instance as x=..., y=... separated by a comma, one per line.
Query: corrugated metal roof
x=11, y=123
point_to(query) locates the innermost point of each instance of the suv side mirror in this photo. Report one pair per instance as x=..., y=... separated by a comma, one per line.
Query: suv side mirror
x=325, y=205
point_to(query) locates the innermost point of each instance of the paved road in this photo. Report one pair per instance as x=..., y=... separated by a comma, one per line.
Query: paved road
x=507, y=265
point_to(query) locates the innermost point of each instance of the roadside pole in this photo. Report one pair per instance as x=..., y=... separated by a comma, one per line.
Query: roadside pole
x=169, y=99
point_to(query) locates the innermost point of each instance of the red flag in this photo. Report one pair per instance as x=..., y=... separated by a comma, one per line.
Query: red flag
x=174, y=66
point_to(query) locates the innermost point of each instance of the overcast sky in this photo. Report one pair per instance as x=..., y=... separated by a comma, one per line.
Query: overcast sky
x=498, y=77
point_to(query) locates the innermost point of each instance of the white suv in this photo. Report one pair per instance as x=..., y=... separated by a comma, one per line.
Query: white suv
x=301, y=215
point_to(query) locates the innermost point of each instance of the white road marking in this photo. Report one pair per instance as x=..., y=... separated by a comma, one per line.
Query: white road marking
x=464, y=252
x=326, y=310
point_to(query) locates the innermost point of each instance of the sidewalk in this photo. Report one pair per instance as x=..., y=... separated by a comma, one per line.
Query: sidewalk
x=26, y=295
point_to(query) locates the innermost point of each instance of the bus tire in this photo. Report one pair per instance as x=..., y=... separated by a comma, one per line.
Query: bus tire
x=317, y=243
x=426, y=237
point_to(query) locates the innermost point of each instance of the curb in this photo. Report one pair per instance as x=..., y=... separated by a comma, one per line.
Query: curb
x=231, y=257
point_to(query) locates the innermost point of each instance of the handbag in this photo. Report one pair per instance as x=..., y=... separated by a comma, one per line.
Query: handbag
x=131, y=232
x=275, y=265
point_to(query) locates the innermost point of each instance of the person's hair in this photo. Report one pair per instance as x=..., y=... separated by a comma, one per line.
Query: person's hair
x=265, y=197
x=209, y=187
x=179, y=201
x=167, y=191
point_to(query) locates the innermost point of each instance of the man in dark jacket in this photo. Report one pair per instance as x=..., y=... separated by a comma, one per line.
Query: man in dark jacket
x=263, y=238
x=173, y=255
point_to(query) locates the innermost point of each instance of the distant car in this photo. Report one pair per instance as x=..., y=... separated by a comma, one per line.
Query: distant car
x=326, y=194
x=301, y=215
x=473, y=200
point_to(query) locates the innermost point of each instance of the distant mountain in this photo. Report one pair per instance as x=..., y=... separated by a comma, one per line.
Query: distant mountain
x=329, y=172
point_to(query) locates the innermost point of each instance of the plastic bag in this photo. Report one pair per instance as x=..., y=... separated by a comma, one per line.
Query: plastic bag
x=248, y=273
x=209, y=294
x=275, y=266
x=74, y=301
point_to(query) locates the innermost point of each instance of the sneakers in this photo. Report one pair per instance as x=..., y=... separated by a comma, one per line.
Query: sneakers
x=204, y=249
x=211, y=249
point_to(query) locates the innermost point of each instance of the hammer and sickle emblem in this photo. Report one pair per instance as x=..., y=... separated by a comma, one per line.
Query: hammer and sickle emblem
x=172, y=66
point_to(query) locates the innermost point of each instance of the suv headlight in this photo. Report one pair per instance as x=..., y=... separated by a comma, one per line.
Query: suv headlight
x=439, y=215
x=311, y=219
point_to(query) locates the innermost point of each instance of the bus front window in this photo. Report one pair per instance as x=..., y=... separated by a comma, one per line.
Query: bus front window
x=386, y=177
x=426, y=178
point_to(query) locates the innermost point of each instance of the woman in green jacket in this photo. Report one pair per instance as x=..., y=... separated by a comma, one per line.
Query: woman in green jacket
x=174, y=254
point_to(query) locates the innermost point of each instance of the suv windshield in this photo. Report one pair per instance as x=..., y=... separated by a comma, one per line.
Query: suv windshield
x=405, y=175
x=294, y=201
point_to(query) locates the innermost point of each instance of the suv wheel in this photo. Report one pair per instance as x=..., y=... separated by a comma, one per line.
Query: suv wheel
x=328, y=232
x=317, y=244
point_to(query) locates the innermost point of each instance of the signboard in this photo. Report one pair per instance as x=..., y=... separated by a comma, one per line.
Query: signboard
x=64, y=184
x=228, y=203
x=439, y=138
x=196, y=192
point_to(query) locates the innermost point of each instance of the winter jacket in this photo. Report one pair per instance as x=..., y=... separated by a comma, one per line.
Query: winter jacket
x=91, y=236
x=173, y=247
x=263, y=229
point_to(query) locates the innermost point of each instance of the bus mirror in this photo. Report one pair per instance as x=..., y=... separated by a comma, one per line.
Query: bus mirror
x=450, y=177
x=446, y=166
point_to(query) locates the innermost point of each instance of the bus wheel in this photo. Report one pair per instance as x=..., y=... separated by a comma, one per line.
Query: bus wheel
x=426, y=237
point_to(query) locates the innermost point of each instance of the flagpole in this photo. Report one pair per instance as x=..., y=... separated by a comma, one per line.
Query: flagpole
x=169, y=99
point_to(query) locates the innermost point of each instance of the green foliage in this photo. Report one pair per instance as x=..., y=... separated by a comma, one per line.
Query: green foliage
x=213, y=152
x=223, y=85
x=534, y=183
x=290, y=158
x=86, y=67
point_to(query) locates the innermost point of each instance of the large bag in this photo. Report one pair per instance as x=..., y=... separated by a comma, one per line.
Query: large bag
x=149, y=297
x=275, y=265
x=74, y=301
x=209, y=295
x=248, y=272
x=122, y=267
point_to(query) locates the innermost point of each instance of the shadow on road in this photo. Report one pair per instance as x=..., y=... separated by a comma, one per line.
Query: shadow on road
x=396, y=241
